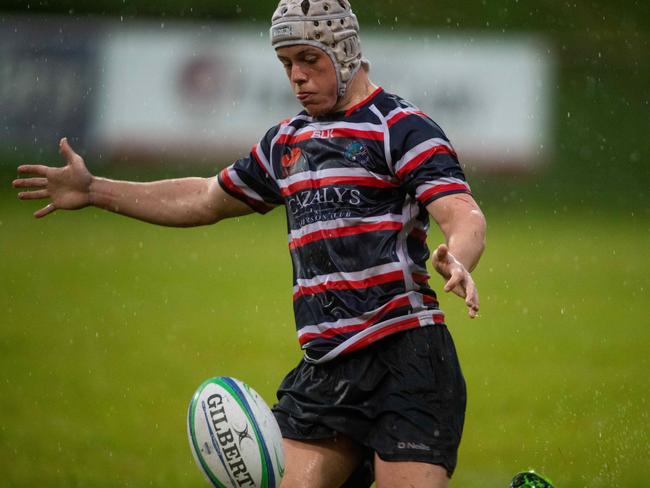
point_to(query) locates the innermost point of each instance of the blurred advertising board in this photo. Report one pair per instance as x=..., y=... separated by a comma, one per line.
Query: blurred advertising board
x=205, y=92
x=47, y=81
x=161, y=91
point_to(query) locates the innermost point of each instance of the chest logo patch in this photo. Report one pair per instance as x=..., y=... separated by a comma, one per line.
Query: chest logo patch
x=291, y=157
x=293, y=161
x=357, y=153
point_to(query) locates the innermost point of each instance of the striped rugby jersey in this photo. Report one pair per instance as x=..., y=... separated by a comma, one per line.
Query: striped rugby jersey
x=355, y=186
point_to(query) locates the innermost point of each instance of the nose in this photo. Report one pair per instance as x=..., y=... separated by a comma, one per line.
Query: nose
x=298, y=76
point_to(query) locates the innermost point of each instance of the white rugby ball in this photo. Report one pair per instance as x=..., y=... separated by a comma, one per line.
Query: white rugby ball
x=234, y=436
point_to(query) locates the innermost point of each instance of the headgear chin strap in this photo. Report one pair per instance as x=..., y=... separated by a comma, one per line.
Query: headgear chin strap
x=329, y=25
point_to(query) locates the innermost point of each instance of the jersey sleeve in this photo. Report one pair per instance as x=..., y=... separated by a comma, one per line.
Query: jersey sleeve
x=251, y=179
x=424, y=160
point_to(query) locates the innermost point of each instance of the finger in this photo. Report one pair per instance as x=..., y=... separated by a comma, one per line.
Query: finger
x=460, y=291
x=30, y=183
x=472, y=299
x=454, y=281
x=36, y=169
x=33, y=195
x=68, y=153
x=47, y=209
x=473, y=313
x=440, y=260
x=473, y=310
x=65, y=149
x=441, y=252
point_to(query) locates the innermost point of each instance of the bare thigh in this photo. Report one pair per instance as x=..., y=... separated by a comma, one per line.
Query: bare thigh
x=407, y=474
x=324, y=463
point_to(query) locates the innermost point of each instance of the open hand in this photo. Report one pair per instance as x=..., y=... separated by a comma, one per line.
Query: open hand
x=67, y=187
x=459, y=280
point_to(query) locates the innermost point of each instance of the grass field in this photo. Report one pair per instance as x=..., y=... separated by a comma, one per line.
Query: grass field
x=109, y=325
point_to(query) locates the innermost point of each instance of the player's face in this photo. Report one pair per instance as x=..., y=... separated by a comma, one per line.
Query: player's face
x=312, y=76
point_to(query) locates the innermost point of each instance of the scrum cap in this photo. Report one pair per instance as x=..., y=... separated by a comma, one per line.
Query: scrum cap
x=329, y=25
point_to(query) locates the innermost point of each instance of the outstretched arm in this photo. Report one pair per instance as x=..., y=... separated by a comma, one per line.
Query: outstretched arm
x=463, y=225
x=182, y=202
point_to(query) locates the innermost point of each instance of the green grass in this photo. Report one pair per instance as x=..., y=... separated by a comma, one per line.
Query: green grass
x=109, y=325
x=556, y=364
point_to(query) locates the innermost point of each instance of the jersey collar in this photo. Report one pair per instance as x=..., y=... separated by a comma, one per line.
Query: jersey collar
x=363, y=102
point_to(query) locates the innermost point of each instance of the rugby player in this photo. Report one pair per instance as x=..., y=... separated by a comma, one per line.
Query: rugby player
x=379, y=392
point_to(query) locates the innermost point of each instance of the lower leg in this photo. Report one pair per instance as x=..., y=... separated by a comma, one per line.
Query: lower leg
x=323, y=463
x=407, y=474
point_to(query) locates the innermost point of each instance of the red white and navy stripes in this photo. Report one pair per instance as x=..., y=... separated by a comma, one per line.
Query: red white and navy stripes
x=366, y=278
x=380, y=330
x=229, y=178
x=332, y=130
x=332, y=177
x=427, y=192
x=327, y=330
x=261, y=159
x=355, y=187
x=336, y=228
x=422, y=153
x=399, y=113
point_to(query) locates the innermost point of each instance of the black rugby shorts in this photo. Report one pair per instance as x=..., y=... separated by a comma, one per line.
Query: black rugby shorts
x=402, y=397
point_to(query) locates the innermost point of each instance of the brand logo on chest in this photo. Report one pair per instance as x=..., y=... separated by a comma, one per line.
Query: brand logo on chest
x=317, y=197
x=323, y=134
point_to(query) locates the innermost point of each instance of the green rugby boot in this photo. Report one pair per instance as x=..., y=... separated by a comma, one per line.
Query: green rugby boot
x=530, y=479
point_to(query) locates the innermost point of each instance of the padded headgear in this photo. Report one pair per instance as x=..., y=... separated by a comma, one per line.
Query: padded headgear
x=329, y=25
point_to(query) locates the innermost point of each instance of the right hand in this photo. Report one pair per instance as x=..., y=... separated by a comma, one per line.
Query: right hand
x=67, y=188
x=459, y=280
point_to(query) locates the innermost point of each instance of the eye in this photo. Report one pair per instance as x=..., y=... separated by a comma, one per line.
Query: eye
x=311, y=59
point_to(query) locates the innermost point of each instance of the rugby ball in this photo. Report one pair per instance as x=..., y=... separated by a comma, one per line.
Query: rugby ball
x=234, y=436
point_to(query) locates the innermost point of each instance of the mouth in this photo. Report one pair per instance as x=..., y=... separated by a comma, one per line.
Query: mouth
x=303, y=96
